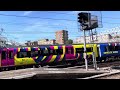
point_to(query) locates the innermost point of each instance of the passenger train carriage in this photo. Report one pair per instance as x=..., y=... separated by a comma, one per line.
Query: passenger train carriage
x=53, y=54
x=109, y=50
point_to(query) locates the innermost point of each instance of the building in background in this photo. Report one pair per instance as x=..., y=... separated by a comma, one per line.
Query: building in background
x=105, y=38
x=31, y=43
x=61, y=37
x=46, y=42
x=42, y=41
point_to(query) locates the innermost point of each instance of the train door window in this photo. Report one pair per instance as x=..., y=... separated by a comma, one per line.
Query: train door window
x=67, y=51
x=89, y=49
x=60, y=51
x=11, y=56
x=72, y=51
x=3, y=55
x=79, y=50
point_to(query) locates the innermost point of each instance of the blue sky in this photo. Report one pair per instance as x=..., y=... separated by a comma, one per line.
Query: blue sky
x=21, y=29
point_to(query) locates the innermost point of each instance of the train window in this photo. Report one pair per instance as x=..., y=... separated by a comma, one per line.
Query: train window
x=69, y=51
x=11, y=56
x=3, y=55
x=51, y=51
x=45, y=52
x=110, y=48
x=115, y=48
x=55, y=52
x=89, y=49
x=34, y=53
x=28, y=53
x=60, y=51
x=23, y=54
x=106, y=49
x=118, y=47
x=79, y=50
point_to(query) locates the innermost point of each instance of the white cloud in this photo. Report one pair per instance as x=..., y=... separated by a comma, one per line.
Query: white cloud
x=27, y=13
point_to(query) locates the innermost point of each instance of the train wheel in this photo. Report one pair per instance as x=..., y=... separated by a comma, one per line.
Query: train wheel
x=36, y=66
x=6, y=69
x=2, y=68
x=15, y=68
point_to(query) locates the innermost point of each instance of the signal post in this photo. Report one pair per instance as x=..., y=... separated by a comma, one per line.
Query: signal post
x=86, y=23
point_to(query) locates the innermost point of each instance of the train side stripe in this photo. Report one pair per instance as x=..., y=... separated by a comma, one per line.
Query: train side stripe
x=18, y=49
x=54, y=56
x=29, y=49
x=58, y=56
x=50, y=57
x=62, y=56
x=45, y=58
x=26, y=49
x=40, y=58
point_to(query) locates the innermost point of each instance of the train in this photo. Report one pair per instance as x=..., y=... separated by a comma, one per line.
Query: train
x=57, y=54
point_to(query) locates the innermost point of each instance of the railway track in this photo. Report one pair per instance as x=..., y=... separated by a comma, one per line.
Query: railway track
x=90, y=65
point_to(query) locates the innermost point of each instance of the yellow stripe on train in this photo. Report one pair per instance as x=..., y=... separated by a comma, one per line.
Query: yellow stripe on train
x=18, y=49
x=54, y=56
x=62, y=56
x=23, y=61
x=43, y=58
x=29, y=49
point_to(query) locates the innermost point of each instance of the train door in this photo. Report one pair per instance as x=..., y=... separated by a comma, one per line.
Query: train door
x=69, y=54
x=4, y=61
x=10, y=57
x=7, y=57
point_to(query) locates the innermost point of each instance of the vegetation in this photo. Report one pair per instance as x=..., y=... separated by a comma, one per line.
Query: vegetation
x=70, y=41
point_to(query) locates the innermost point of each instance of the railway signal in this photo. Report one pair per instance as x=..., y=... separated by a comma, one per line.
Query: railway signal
x=84, y=19
x=87, y=23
